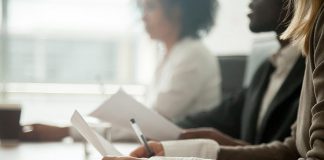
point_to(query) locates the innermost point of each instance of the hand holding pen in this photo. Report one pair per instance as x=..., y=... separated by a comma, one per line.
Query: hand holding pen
x=140, y=152
x=142, y=138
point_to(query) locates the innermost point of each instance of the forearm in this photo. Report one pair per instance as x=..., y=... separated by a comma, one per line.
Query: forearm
x=39, y=132
x=176, y=158
x=273, y=151
x=224, y=117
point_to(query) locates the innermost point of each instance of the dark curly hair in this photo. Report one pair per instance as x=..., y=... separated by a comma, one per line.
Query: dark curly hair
x=196, y=16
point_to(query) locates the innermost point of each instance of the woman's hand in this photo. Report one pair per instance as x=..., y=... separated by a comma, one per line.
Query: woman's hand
x=210, y=133
x=42, y=132
x=156, y=147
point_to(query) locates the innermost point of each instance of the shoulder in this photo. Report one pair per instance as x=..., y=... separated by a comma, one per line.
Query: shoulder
x=317, y=39
x=320, y=19
x=193, y=51
x=319, y=25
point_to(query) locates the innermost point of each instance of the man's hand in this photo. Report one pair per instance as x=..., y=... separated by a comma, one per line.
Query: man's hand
x=41, y=133
x=140, y=152
x=121, y=158
x=210, y=133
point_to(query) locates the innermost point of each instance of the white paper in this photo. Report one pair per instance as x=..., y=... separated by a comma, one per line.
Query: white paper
x=103, y=146
x=121, y=107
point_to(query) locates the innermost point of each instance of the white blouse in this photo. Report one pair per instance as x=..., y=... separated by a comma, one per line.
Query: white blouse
x=187, y=81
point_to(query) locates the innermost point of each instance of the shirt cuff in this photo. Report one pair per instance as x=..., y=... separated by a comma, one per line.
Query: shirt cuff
x=176, y=158
x=202, y=148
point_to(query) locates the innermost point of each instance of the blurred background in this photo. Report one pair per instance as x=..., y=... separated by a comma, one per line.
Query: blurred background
x=61, y=55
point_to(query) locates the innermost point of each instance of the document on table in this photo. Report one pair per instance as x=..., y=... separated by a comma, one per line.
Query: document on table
x=102, y=145
x=121, y=107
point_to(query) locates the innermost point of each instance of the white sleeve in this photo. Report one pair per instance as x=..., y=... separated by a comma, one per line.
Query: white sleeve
x=202, y=148
x=175, y=158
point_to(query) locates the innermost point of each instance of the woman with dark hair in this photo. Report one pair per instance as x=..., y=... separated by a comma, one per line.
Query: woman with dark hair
x=187, y=79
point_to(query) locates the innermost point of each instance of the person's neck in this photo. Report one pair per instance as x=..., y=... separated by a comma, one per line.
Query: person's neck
x=283, y=43
x=169, y=43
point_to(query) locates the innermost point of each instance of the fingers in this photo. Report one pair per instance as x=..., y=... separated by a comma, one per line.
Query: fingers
x=184, y=135
x=191, y=135
x=141, y=152
x=199, y=133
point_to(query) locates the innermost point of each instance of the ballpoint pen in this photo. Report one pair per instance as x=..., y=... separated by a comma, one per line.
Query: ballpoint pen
x=141, y=138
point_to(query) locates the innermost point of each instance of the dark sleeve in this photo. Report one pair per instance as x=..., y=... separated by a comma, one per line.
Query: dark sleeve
x=225, y=117
x=317, y=126
x=272, y=151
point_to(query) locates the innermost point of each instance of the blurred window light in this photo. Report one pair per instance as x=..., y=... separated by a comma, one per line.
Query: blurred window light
x=34, y=16
x=92, y=41
x=73, y=41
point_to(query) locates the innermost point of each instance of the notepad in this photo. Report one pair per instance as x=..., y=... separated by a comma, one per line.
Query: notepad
x=104, y=147
x=121, y=107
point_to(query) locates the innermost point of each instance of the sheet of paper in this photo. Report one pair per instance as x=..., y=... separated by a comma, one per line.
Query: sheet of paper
x=103, y=146
x=121, y=107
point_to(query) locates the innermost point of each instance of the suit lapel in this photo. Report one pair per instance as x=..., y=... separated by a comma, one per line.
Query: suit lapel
x=253, y=100
x=292, y=82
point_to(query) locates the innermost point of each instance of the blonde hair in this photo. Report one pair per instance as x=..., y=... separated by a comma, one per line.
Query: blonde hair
x=302, y=22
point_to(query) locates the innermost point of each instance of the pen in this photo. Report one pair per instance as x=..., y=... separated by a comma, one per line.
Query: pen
x=141, y=138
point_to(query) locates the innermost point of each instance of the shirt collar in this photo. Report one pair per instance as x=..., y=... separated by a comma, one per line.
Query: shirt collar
x=285, y=57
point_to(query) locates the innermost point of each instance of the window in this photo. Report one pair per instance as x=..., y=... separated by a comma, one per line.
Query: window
x=72, y=41
x=231, y=29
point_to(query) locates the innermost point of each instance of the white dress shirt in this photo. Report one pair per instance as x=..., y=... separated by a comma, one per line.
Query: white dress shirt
x=283, y=61
x=187, y=81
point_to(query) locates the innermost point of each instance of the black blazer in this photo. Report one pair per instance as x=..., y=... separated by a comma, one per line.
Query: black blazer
x=237, y=115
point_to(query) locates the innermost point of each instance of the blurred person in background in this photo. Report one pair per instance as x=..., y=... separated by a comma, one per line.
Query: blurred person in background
x=187, y=78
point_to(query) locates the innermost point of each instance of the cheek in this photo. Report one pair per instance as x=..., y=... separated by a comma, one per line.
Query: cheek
x=264, y=15
x=157, y=24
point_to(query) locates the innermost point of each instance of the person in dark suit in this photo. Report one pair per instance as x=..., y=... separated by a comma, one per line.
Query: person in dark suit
x=264, y=111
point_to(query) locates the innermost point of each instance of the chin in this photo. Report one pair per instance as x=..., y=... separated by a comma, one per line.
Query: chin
x=256, y=29
x=153, y=37
x=150, y=35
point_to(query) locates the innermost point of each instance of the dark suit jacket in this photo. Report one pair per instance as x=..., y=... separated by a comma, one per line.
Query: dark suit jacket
x=237, y=116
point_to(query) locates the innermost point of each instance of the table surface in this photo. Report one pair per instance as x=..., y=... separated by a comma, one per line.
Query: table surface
x=58, y=151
